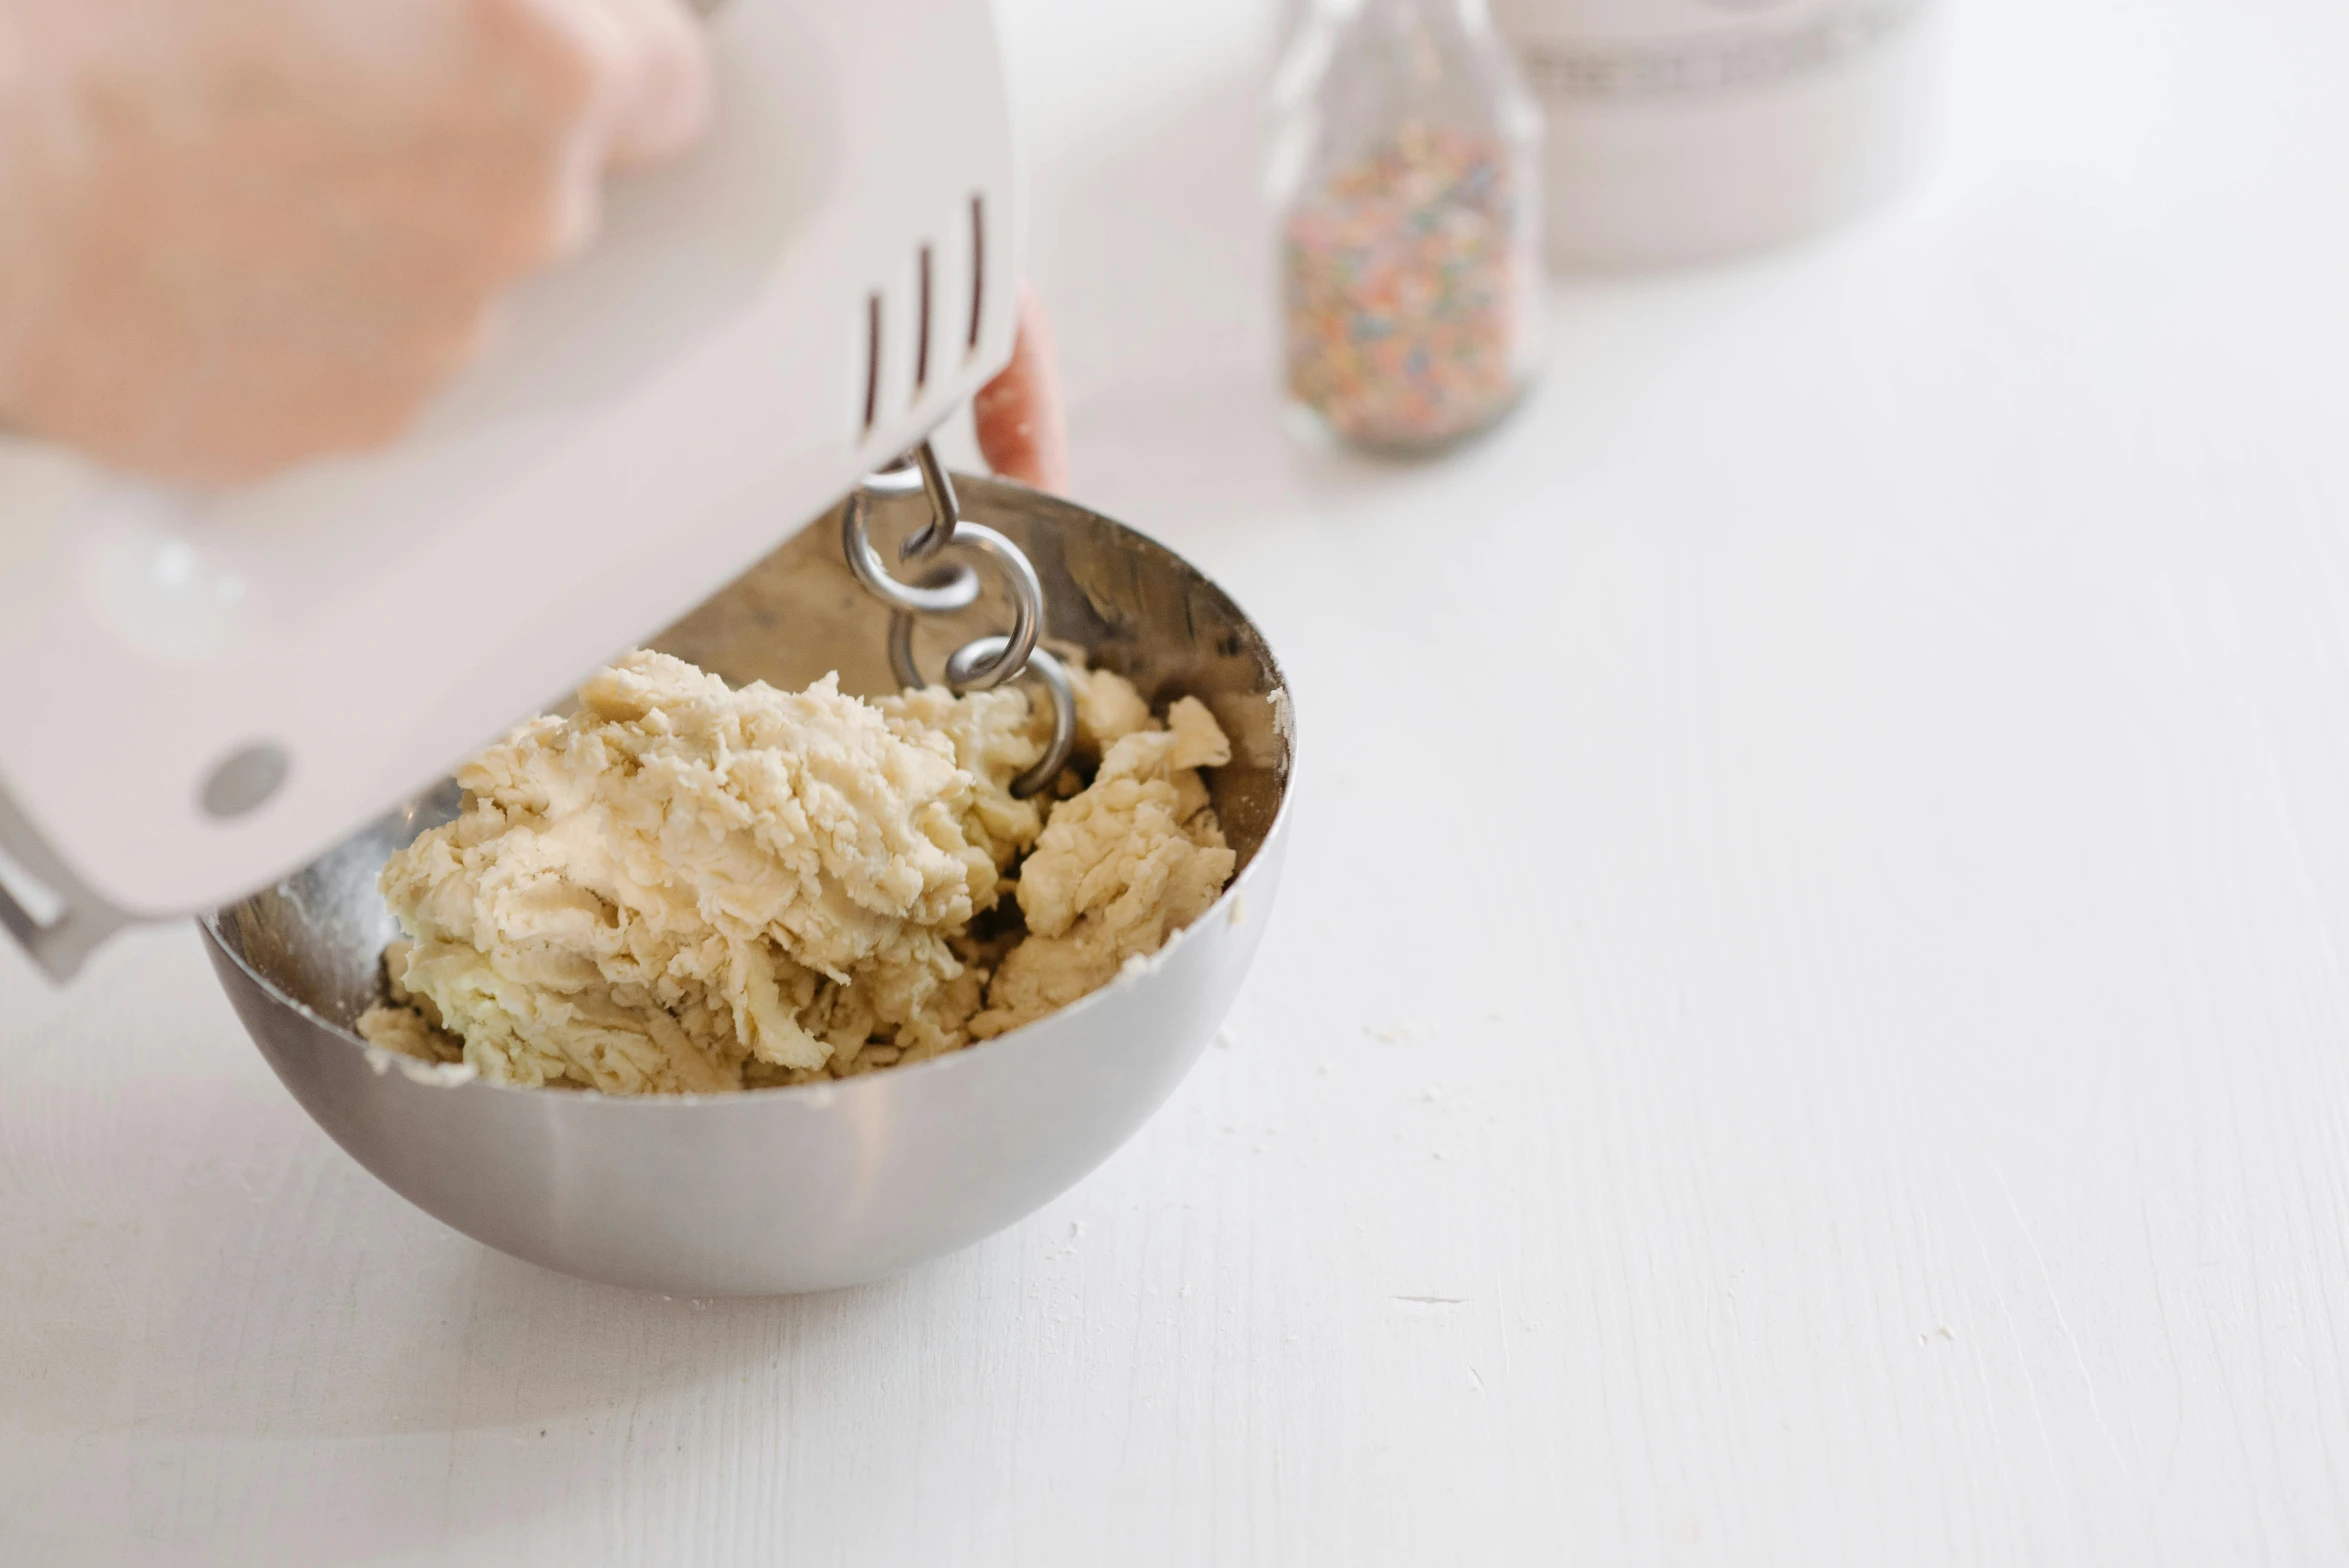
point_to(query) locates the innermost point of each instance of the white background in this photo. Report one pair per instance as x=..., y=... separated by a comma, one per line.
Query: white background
x=1806, y=1024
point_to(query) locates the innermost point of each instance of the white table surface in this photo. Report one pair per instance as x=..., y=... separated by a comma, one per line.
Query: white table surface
x=1806, y=1025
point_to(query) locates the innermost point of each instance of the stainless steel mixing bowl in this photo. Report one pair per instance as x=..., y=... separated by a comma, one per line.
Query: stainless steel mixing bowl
x=809, y=1188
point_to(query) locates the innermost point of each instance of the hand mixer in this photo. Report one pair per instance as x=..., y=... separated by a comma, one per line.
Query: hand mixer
x=221, y=687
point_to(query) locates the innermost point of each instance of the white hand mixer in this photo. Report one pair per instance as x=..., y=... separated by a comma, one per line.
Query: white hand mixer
x=215, y=690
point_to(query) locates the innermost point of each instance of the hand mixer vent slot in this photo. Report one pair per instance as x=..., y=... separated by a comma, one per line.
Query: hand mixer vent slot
x=978, y=272
x=872, y=361
x=912, y=307
x=922, y=328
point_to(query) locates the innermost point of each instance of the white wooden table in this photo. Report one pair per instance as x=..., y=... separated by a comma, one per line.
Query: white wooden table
x=1809, y=1022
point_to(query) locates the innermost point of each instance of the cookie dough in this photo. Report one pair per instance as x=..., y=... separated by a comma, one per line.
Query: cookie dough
x=687, y=888
x=1132, y=859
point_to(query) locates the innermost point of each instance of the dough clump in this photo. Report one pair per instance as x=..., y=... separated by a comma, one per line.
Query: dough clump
x=689, y=888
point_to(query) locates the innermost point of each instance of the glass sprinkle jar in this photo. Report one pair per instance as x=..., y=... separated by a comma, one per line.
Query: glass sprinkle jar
x=1406, y=177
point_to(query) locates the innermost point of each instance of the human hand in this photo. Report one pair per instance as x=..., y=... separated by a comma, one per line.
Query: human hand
x=1022, y=433
x=235, y=234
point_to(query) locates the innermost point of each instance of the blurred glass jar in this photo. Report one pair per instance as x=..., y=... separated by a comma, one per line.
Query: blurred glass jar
x=1406, y=174
x=1688, y=130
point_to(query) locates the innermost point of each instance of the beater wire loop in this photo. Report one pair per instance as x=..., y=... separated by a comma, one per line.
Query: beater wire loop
x=984, y=662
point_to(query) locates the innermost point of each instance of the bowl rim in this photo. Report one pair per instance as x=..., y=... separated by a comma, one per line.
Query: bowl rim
x=1281, y=693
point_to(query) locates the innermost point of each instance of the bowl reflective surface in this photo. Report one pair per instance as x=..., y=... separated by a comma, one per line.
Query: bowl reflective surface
x=824, y=1185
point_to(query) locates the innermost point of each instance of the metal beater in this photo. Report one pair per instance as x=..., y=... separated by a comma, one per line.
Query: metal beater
x=984, y=662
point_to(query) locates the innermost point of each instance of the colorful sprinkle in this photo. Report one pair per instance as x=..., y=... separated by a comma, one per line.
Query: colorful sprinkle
x=1408, y=284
